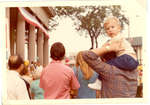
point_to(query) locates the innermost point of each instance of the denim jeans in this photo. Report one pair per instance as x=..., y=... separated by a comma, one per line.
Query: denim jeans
x=125, y=62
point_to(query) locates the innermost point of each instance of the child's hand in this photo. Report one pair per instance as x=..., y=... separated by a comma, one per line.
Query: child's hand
x=113, y=45
x=106, y=44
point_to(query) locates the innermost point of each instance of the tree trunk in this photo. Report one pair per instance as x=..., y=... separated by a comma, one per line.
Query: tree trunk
x=96, y=42
x=92, y=39
x=97, y=33
x=92, y=42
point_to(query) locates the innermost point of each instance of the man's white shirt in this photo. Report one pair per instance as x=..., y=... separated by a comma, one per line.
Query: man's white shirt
x=16, y=87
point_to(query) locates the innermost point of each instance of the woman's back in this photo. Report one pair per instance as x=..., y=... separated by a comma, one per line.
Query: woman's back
x=84, y=91
x=36, y=90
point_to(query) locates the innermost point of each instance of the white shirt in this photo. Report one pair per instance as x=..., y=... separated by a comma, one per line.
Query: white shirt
x=39, y=68
x=27, y=78
x=16, y=88
x=125, y=46
x=37, y=73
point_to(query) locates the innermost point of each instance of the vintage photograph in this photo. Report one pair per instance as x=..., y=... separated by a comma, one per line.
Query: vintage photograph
x=77, y=52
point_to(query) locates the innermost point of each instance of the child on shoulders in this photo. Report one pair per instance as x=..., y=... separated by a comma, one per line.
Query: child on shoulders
x=126, y=57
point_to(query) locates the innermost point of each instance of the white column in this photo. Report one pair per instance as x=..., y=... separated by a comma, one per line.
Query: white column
x=40, y=46
x=20, y=35
x=32, y=38
x=45, y=51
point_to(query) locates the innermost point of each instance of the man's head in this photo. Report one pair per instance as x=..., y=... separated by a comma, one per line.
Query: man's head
x=32, y=62
x=57, y=51
x=108, y=56
x=15, y=62
x=112, y=26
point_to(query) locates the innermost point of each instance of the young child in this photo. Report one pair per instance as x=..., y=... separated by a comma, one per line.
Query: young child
x=126, y=57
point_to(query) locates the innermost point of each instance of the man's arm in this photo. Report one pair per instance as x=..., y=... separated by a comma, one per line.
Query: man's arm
x=100, y=51
x=93, y=60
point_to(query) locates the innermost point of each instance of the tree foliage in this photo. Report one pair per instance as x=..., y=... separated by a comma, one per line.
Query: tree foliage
x=89, y=19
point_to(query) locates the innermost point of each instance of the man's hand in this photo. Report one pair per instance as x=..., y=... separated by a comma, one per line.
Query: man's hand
x=73, y=93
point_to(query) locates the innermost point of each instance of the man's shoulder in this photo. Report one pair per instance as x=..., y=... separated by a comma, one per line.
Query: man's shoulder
x=69, y=69
x=12, y=74
x=59, y=65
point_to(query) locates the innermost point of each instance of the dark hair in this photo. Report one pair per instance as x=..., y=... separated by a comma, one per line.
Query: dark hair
x=32, y=62
x=57, y=51
x=108, y=56
x=15, y=61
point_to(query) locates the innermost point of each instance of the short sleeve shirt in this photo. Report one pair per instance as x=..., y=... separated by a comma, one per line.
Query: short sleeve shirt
x=57, y=80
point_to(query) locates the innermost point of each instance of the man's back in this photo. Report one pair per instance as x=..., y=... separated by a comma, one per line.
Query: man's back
x=16, y=88
x=119, y=83
x=57, y=80
x=116, y=83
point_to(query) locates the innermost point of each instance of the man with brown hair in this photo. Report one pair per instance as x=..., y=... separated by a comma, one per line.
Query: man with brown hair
x=57, y=80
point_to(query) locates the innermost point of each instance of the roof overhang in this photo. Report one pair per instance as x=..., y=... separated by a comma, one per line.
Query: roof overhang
x=31, y=19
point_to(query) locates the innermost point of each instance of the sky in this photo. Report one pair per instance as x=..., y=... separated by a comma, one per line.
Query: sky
x=73, y=42
x=66, y=34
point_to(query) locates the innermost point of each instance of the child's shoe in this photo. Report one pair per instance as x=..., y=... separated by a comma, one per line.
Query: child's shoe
x=96, y=85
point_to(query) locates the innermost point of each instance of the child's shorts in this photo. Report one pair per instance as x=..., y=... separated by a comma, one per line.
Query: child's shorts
x=125, y=62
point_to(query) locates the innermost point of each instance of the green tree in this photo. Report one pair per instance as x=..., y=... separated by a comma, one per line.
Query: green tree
x=89, y=19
